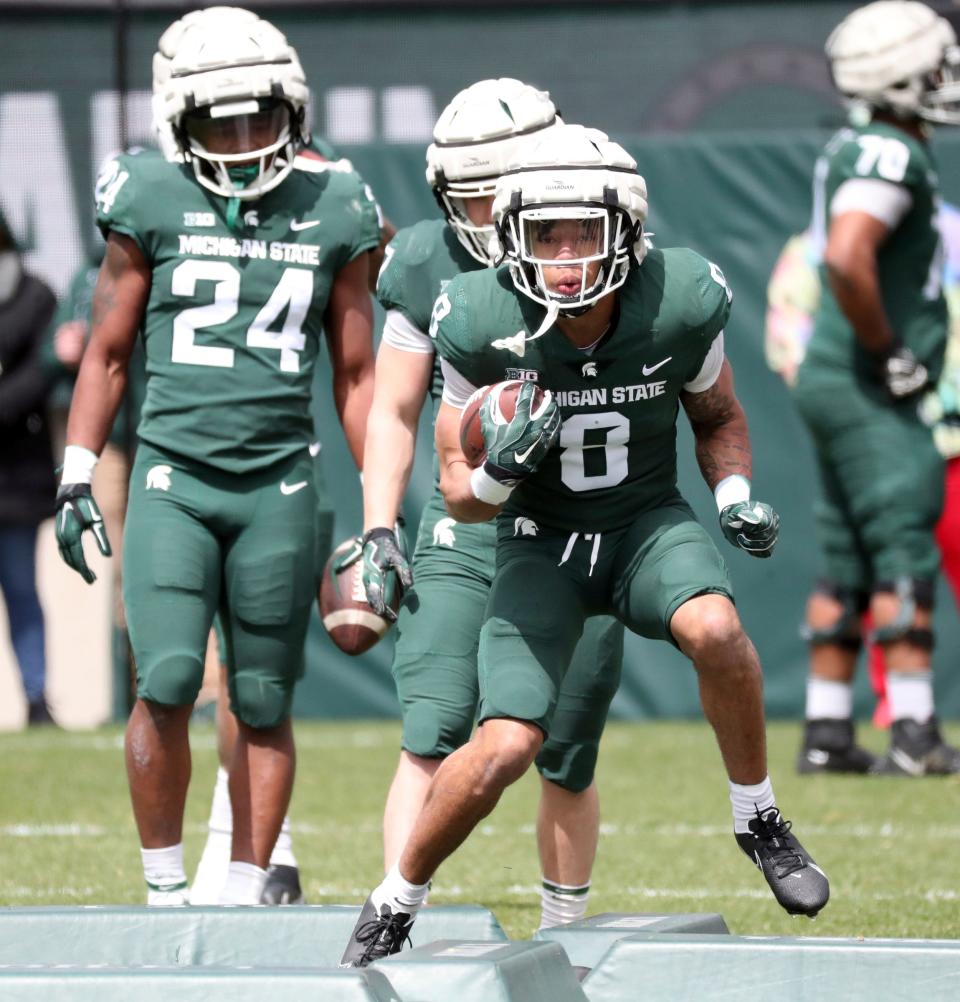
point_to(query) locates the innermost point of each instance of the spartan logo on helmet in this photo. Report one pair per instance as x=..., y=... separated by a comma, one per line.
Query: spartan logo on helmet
x=158, y=477
x=443, y=533
x=525, y=527
x=475, y=137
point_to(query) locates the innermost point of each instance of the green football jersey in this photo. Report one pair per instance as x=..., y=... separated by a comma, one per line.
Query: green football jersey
x=418, y=265
x=616, y=453
x=910, y=263
x=234, y=317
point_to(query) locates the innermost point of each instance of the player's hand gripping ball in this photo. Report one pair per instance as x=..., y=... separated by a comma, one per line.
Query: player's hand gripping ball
x=344, y=610
x=506, y=419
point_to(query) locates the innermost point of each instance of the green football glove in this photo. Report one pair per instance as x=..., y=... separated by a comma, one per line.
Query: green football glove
x=752, y=526
x=77, y=512
x=516, y=449
x=386, y=569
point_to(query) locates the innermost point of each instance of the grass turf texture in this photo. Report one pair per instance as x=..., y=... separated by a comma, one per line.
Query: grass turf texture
x=889, y=845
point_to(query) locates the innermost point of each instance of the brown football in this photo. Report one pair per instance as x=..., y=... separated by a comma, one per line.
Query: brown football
x=471, y=437
x=344, y=610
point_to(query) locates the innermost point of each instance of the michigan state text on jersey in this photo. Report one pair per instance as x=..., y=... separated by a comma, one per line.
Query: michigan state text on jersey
x=235, y=315
x=616, y=454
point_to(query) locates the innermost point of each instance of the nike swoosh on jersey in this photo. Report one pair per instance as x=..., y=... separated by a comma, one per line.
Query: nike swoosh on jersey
x=650, y=369
x=305, y=224
x=286, y=488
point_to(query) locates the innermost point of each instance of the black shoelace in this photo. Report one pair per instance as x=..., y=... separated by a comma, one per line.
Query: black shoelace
x=383, y=936
x=775, y=834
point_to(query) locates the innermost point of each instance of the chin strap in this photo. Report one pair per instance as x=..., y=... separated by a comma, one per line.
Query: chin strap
x=553, y=311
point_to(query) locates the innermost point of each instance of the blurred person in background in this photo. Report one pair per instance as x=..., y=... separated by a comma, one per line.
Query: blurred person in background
x=218, y=258
x=875, y=349
x=793, y=296
x=27, y=482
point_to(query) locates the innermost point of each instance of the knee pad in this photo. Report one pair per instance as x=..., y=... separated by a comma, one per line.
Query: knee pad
x=570, y=766
x=845, y=632
x=912, y=594
x=260, y=702
x=173, y=680
x=433, y=731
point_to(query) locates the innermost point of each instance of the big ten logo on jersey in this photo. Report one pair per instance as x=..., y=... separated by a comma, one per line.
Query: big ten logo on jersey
x=527, y=375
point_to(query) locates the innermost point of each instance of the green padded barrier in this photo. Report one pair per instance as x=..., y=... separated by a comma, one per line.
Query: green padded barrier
x=452, y=971
x=651, y=968
x=292, y=936
x=585, y=942
x=195, y=985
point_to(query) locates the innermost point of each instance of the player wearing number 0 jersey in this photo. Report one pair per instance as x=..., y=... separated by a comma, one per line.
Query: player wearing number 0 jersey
x=619, y=338
x=435, y=662
x=231, y=262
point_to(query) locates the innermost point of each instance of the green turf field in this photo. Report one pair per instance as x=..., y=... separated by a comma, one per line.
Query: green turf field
x=889, y=846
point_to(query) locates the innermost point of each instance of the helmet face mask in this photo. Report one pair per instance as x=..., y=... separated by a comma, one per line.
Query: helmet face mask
x=456, y=199
x=941, y=98
x=223, y=140
x=568, y=254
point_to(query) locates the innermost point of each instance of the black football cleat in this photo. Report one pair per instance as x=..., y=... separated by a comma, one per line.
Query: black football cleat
x=377, y=934
x=798, y=884
x=282, y=886
x=917, y=750
x=829, y=746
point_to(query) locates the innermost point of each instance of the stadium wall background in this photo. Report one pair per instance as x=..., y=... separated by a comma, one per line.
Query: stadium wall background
x=725, y=107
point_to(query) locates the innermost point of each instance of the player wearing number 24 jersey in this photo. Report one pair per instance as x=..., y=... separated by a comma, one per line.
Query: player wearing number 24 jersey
x=231, y=262
x=618, y=337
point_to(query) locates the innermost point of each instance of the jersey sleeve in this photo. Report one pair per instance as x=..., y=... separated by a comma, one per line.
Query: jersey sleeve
x=363, y=207
x=450, y=326
x=876, y=156
x=120, y=194
x=406, y=283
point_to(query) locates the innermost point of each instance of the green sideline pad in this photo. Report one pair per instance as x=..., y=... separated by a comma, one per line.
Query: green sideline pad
x=291, y=936
x=586, y=941
x=453, y=971
x=199, y=984
x=650, y=968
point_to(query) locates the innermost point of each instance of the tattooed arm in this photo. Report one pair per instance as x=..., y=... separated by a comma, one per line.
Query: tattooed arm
x=720, y=428
x=119, y=301
x=854, y=240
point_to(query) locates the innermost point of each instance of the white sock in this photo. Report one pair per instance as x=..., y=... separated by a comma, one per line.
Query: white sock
x=163, y=868
x=211, y=872
x=911, y=695
x=400, y=894
x=747, y=800
x=827, y=700
x=244, y=884
x=282, y=854
x=562, y=903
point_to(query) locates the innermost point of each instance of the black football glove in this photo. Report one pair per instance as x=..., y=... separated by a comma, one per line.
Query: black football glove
x=752, y=526
x=77, y=512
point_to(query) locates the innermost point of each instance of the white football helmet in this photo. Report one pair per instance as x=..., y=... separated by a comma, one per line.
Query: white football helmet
x=231, y=91
x=898, y=56
x=476, y=136
x=572, y=200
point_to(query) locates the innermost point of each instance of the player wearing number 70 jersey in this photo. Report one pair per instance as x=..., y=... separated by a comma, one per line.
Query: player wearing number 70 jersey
x=231, y=263
x=620, y=337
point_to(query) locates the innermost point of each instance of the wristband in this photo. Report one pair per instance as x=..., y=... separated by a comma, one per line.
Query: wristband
x=78, y=464
x=731, y=490
x=488, y=490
